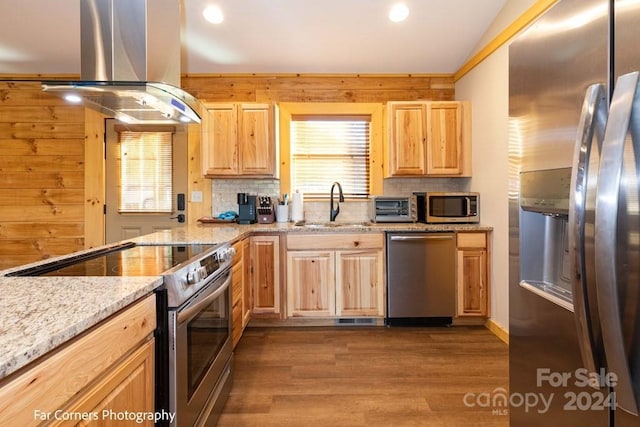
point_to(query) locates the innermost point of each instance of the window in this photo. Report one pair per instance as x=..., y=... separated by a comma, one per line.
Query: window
x=291, y=177
x=325, y=149
x=146, y=174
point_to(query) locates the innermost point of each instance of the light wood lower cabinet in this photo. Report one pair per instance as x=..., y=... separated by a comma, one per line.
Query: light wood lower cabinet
x=246, y=282
x=110, y=368
x=335, y=275
x=360, y=279
x=311, y=279
x=241, y=289
x=472, y=266
x=129, y=387
x=265, y=274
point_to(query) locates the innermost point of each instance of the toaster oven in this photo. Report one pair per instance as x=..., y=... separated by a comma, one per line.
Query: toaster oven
x=393, y=209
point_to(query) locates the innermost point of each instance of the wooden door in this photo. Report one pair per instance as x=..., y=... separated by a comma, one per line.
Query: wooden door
x=256, y=139
x=310, y=283
x=359, y=283
x=123, y=225
x=407, y=139
x=265, y=276
x=444, y=138
x=220, y=156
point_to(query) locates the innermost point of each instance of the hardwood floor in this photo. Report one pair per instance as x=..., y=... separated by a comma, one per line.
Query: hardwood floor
x=367, y=376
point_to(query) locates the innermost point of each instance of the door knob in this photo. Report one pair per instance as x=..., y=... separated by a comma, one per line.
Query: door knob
x=180, y=217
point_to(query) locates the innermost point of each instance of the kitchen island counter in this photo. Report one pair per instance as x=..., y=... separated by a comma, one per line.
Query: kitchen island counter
x=38, y=314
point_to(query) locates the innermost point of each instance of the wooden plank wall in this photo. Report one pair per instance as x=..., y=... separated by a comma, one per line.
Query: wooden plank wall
x=41, y=175
x=318, y=88
x=45, y=205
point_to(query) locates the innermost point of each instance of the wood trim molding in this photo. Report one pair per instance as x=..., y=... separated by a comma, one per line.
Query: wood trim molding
x=94, y=180
x=514, y=28
x=375, y=110
x=497, y=330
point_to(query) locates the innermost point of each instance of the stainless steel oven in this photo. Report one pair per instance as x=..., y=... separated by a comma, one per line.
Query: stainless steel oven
x=200, y=354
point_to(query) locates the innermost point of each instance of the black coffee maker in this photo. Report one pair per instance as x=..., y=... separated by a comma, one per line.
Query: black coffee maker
x=246, y=209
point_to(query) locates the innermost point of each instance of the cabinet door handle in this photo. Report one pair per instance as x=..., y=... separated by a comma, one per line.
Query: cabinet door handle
x=421, y=237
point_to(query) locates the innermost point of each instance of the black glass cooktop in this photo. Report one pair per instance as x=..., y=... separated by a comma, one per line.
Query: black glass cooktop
x=123, y=260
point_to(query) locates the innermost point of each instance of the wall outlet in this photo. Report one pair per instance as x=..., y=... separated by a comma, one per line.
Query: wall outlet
x=196, y=196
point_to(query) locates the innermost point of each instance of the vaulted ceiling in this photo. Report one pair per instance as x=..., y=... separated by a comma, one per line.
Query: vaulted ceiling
x=269, y=36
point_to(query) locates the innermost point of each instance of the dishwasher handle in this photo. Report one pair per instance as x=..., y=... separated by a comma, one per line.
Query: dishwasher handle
x=421, y=237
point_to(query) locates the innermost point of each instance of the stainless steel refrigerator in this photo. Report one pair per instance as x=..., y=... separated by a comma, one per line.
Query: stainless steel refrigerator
x=574, y=217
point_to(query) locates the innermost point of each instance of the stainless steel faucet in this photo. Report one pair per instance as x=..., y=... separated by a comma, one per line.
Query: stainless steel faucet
x=333, y=213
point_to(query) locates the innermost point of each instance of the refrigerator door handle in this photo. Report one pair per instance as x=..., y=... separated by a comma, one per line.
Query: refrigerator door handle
x=593, y=119
x=625, y=96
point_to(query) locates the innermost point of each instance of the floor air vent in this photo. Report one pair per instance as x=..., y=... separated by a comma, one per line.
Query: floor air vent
x=352, y=322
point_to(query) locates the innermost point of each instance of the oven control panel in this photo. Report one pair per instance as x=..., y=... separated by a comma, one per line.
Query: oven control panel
x=190, y=277
x=194, y=276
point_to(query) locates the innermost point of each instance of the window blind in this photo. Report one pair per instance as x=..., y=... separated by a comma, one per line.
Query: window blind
x=146, y=176
x=328, y=149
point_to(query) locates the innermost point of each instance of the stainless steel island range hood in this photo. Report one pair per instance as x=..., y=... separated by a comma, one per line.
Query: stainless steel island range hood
x=130, y=62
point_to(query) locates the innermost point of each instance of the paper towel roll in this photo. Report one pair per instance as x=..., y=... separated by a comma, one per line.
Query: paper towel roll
x=297, y=207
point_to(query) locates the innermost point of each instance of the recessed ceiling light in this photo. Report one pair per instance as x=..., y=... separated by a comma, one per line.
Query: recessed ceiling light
x=398, y=12
x=213, y=14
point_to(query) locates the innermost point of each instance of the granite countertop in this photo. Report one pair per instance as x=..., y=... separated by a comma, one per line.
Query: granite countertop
x=37, y=314
x=220, y=233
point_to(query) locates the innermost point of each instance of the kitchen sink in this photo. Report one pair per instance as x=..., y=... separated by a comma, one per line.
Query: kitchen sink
x=333, y=224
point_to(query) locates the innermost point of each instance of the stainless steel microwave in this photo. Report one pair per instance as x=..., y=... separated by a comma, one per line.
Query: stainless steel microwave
x=449, y=207
x=393, y=209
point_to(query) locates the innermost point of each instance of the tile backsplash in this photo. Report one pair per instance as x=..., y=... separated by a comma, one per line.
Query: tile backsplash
x=406, y=186
x=224, y=193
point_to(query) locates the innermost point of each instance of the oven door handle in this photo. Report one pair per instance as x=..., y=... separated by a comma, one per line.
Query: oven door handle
x=191, y=309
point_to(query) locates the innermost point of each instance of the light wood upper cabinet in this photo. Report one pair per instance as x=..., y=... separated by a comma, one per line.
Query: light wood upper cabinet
x=429, y=139
x=239, y=140
x=256, y=140
x=335, y=275
x=265, y=274
x=407, y=140
x=444, y=140
x=220, y=140
x=472, y=266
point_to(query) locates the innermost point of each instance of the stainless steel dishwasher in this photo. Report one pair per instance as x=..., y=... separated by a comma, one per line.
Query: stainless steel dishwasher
x=420, y=278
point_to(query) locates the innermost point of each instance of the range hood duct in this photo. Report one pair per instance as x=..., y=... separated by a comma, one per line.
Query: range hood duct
x=130, y=62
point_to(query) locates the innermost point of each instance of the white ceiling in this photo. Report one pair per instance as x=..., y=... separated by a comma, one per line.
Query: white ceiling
x=269, y=36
